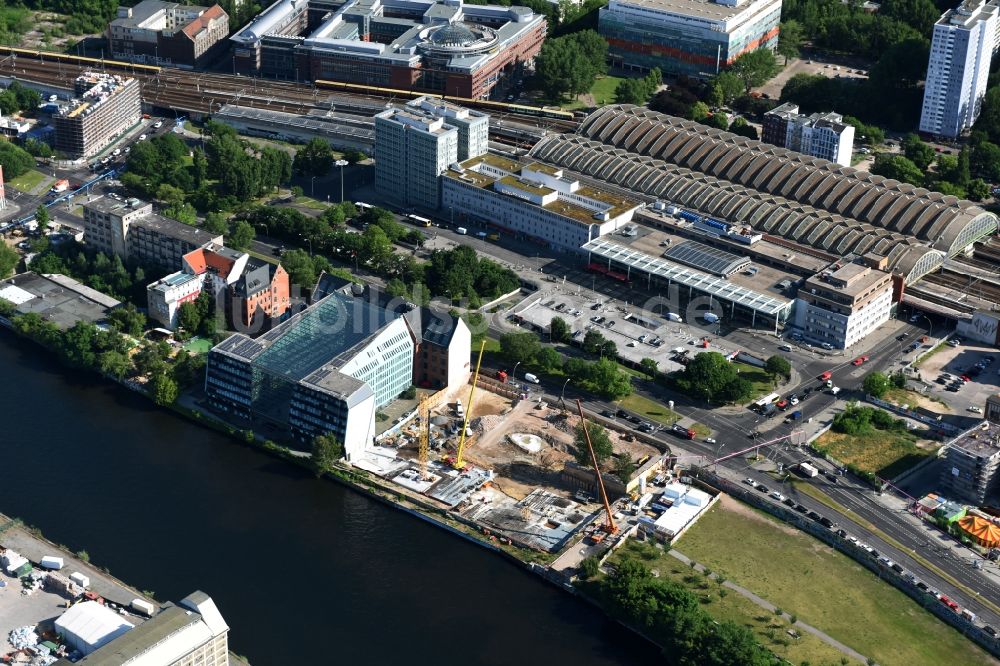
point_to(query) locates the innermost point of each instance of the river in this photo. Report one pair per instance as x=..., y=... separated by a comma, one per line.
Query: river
x=304, y=571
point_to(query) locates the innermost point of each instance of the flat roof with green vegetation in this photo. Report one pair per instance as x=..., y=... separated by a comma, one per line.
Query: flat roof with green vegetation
x=494, y=161
x=722, y=605
x=824, y=588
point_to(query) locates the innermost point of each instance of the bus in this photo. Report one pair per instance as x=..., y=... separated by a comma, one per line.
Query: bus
x=419, y=221
x=765, y=401
x=362, y=206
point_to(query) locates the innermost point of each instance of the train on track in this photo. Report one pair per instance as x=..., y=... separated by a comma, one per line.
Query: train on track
x=83, y=61
x=487, y=105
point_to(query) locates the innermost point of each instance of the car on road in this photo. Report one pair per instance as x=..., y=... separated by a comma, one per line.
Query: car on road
x=966, y=378
x=801, y=509
x=607, y=413
x=948, y=602
x=825, y=377
x=750, y=482
x=708, y=440
x=794, y=401
x=762, y=488
x=990, y=630
x=788, y=501
x=831, y=478
x=778, y=496
x=634, y=419
x=622, y=413
x=782, y=404
x=611, y=324
x=142, y=137
x=158, y=124
x=974, y=409
x=954, y=342
x=859, y=360
x=785, y=348
x=826, y=345
x=902, y=336
x=595, y=306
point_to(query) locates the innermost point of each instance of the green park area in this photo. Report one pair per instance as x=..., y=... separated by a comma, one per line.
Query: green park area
x=823, y=588
x=761, y=381
x=871, y=441
x=727, y=605
x=198, y=345
x=29, y=181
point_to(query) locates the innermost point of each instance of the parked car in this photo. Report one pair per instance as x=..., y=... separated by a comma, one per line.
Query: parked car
x=778, y=496
x=974, y=409
x=826, y=345
x=859, y=360
x=750, y=482
x=762, y=488
x=788, y=501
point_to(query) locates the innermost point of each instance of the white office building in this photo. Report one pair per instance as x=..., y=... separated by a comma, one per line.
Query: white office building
x=958, y=68
x=537, y=201
x=416, y=144
x=842, y=306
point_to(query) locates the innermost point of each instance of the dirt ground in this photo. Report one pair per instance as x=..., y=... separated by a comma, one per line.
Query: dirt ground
x=809, y=64
x=46, y=22
x=518, y=471
x=745, y=511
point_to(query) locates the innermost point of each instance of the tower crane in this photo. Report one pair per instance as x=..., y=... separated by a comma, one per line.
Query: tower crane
x=424, y=435
x=459, y=463
x=610, y=528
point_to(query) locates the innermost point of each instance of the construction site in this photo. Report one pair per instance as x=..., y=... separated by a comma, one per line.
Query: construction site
x=509, y=463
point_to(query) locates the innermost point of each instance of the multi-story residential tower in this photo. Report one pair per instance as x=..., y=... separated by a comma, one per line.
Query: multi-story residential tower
x=695, y=38
x=958, y=68
x=106, y=105
x=473, y=126
x=168, y=33
x=824, y=135
x=412, y=149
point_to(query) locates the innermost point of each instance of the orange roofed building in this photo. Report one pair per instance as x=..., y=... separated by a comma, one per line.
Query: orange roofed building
x=252, y=290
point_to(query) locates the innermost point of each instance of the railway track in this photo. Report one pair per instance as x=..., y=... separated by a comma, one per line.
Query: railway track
x=966, y=284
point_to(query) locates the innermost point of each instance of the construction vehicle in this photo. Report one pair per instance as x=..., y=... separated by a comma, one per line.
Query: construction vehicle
x=459, y=463
x=424, y=435
x=610, y=527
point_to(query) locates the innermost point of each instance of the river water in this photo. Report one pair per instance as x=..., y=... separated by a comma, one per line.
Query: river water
x=304, y=571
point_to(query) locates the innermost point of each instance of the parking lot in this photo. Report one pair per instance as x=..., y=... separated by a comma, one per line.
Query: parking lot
x=637, y=333
x=813, y=65
x=944, y=370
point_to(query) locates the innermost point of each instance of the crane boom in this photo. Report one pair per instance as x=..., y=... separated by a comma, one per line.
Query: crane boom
x=424, y=435
x=459, y=463
x=611, y=528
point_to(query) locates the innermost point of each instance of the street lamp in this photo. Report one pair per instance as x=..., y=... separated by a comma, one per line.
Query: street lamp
x=562, y=396
x=312, y=187
x=930, y=326
x=309, y=240
x=341, y=164
x=512, y=375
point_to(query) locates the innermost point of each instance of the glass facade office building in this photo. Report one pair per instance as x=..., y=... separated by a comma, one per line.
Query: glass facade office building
x=327, y=369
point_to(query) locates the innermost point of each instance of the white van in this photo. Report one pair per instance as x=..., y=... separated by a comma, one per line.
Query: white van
x=530, y=378
x=461, y=231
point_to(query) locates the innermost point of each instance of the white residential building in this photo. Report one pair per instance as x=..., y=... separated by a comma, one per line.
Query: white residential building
x=823, y=135
x=537, y=201
x=411, y=151
x=958, y=68
x=842, y=306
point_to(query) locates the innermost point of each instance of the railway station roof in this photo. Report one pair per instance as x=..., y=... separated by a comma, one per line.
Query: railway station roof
x=777, y=191
x=712, y=285
x=706, y=258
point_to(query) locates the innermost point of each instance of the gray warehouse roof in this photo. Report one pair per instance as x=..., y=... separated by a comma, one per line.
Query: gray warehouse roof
x=780, y=192
x=706, y=258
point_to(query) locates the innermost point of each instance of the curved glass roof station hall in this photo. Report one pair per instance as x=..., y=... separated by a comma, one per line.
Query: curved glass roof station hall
x=656, y=275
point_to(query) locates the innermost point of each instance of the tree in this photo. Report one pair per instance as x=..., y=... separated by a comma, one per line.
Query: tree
x=624, y=466
x=599, y=440
x=520, y=347
x=711, y=377
x=755, y=68
x=589, y=567
x=548, y=359
x=729, y=85
x=188, y=369
x=649, y=366
x=42, y=217
x=898, y=168
x=14, y=160
x=985, y=160
x=718, y=120
x=164, y=390
x=593, y=341
x=790, y=39
x=326, y=450
x=876, y=384
x=741, y=127
x=558, y=329
x=216, y=223
x=570, y=64
x=778, y=366
x=978, y=189
x=918, y=152
x=114, y=363
x=313, y=159
x=9, y=259
x=241, y=236
x=188, y=317
x=128, y=320
x=607, y=379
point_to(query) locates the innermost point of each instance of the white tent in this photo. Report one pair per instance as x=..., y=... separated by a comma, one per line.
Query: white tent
x=89, y=625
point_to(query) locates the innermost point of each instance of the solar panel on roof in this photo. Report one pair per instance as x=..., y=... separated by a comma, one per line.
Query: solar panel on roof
x=709, y=259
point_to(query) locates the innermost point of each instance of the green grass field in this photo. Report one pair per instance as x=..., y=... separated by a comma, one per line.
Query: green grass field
x=29, y=180
x=603, y=92
x=659, y=413
x=198, y=345
x=882, y=452
x=762, y=384
x=769, y=629
x=823, y=588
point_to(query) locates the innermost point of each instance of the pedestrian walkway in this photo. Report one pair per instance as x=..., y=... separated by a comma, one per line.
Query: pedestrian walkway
x=768, y=606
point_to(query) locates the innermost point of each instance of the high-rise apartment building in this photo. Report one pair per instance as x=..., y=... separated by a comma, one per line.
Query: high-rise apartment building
x=823, y=135
x=696, y=38
x=106, y=105
x=958, y=68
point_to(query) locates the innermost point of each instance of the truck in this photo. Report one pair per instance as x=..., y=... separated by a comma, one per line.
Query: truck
x=710, y=317
x=808, y=470
x=682, y=432
x=673, y=316
x=796, y=415
x=60, y=185
x=530, y=378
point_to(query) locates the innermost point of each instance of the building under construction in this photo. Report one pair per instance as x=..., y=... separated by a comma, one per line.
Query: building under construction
x=105, y=106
